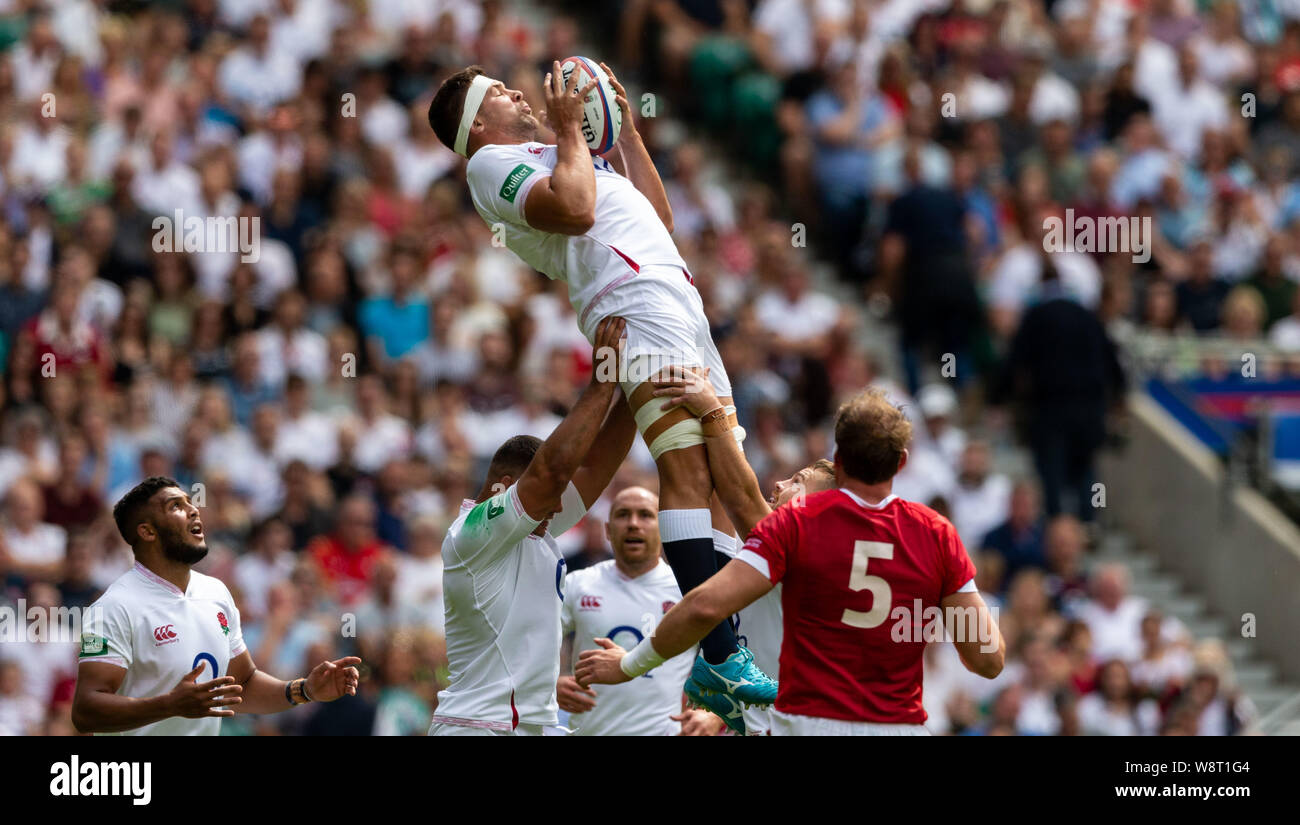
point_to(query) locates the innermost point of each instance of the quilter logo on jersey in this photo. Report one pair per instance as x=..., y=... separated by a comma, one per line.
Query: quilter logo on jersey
x=77, y=778
x=589, y=603
x=164, y=635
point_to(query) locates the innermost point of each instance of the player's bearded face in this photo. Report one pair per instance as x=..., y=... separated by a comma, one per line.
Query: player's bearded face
x=181, y=535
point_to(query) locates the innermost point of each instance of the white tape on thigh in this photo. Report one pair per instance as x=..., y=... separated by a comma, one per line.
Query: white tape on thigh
x=686, y=433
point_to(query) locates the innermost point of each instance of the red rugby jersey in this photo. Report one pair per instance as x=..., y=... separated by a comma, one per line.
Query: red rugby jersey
x=845, y=566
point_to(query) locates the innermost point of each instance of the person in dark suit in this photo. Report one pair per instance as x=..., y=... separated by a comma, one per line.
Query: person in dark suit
x=1063, y=374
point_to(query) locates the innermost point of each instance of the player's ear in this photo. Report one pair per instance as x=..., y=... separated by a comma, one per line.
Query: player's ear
x=902, y=462
x=145, y=531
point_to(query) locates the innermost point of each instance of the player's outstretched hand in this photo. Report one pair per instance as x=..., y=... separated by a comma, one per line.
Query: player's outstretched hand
x=564, y=100
x=601, y=666
x=699, y=723
x=686, y=385
x=330, y=680
x=607, y=350
x=627, y=131
x=573, y=697
x=197, y=700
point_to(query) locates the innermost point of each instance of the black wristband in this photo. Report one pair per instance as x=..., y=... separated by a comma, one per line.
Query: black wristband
x=304, y=690
x=288, y=696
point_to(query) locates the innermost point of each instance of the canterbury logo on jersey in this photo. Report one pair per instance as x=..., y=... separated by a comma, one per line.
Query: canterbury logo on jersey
x=164, y=635
x=589, y=603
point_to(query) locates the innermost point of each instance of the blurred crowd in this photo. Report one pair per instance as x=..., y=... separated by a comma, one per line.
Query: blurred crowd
x=332, y=401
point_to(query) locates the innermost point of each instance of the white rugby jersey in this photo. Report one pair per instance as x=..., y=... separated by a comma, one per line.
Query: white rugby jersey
x=601, y=601
x=145, y=624
x=627, y=235
x=503, y=587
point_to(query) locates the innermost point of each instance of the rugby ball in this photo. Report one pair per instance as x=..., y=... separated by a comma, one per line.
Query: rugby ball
x=601, y=117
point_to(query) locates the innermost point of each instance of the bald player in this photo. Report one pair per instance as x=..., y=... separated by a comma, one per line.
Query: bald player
x=623, y=599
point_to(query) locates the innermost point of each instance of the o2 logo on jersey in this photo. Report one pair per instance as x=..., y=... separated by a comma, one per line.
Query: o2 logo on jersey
x=210, y=659
x=627, y=637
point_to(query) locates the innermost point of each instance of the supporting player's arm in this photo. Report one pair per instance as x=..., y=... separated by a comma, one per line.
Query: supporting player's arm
x=733, y=478
x=615, y=439
x=733, y=587
x=542, y=485
x=263, y=693
x=565, y=202
x=979, y=642
x=97, y=707
x=636, y=162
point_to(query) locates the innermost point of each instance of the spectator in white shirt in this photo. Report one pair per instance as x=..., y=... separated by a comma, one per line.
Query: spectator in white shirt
x=938, y=405
x=287, y=346
x=380, y=436
x=256, y=75
x=800, y=320
x=1113, y=616
x=164, y=184
x=29, y=547
x=1113, y=709
x=270, y=150
x=419, y=571
x=34, y=58
x=980, y=499
x=1052, y=98
x=267, y=564
x=420, y=157
x=1192, y=108
x=787, y=32
x=20, y=714
x=383, y=120
x=40, y=153
x=305, y=435
x=1165, y=666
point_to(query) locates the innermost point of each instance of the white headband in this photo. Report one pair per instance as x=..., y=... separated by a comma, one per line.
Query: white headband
x=478, y=89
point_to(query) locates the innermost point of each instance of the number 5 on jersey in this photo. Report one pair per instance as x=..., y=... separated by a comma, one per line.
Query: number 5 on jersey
x=882, y=596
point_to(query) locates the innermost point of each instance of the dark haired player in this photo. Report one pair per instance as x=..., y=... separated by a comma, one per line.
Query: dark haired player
x=603, y=226
x=161, y=650
x=503, y=578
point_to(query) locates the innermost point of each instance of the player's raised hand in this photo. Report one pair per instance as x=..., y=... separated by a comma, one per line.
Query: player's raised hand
x=627, y=131
x=601, y=666
x=330, y=680
x=195, y=700
x=607, y=350
x=564, y=100
x=573, y=697
x=687, y=386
